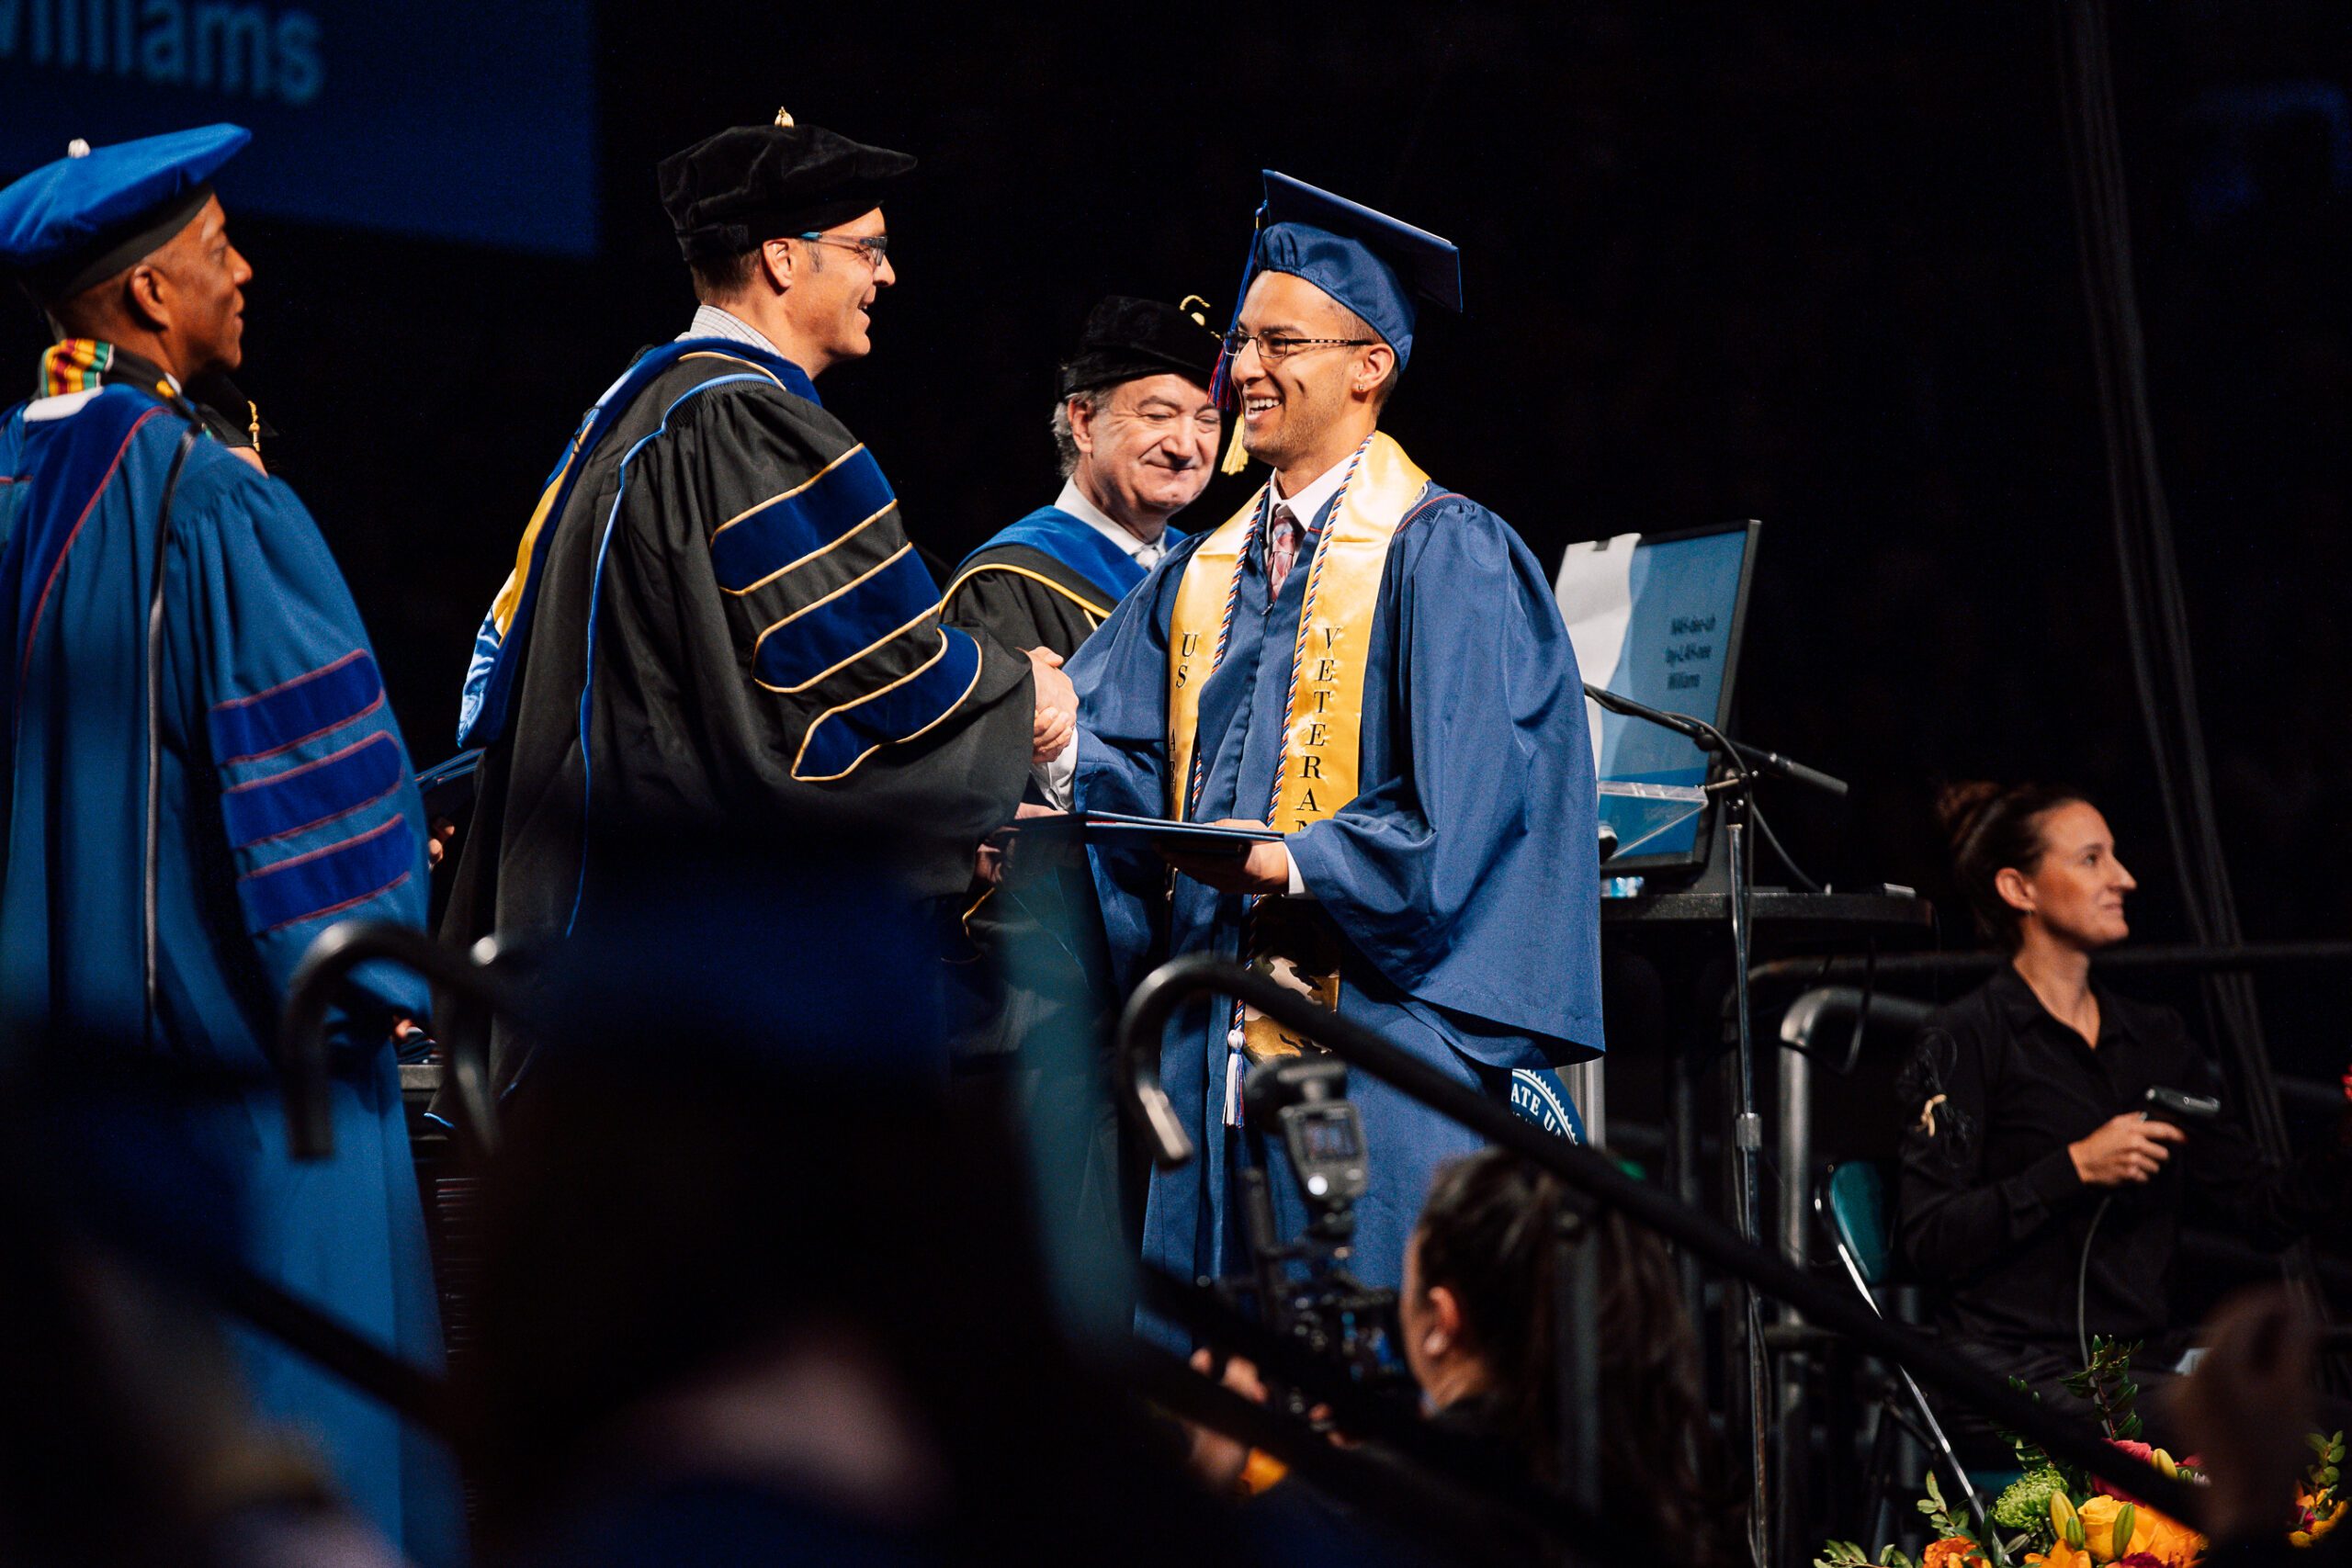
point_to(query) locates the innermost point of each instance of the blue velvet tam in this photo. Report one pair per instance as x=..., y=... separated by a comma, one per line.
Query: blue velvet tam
x=1376, y=266
x=77, y=221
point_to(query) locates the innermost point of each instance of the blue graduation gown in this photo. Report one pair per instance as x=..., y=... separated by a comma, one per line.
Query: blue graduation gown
x=286, y=805
x=1463, y=878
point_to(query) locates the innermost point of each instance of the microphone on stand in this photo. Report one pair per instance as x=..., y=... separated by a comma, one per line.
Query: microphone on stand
x=1755, y=758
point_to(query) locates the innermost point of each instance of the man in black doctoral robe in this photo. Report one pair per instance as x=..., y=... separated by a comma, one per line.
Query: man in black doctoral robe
x=716, y=629
x=1137, y=435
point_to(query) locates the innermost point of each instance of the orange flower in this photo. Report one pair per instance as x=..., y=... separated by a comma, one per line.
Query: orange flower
x=2059, y=1556
x=2315, y=1523
x=2175, y=1542
x=2151, y=1534
x=1952, y=1551
x=2100, y=1517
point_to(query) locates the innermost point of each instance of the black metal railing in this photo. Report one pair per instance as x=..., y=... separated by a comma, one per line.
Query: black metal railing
x=1590, y=1173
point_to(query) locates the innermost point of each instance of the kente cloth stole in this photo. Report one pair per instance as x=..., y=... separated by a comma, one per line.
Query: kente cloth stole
x=1291, y=940
x=80, y=364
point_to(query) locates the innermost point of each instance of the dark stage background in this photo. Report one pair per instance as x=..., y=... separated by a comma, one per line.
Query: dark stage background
x=1811, y=265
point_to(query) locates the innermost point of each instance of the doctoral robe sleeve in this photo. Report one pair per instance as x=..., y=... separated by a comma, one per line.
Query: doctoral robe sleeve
x=1018, y=610
x=1121, y=674
x=1000, y=604
x=1470, y=873
x=315, y=808
x=813, y=675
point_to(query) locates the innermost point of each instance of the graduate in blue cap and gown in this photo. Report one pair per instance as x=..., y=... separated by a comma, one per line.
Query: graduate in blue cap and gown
x=1373, y=665
x=199, y=773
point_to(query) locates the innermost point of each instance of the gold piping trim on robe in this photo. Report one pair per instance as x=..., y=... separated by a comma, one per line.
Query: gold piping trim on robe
x=795, y=489
x=847, y=533
x=885, y=641
x=865, y=576
x=510, y=592
x=1097, y=611
x=964, y=924
x=978, y=667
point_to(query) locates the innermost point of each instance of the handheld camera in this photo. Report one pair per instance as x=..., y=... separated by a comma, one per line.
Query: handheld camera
x=2180, y=1109
x=1303, y=1288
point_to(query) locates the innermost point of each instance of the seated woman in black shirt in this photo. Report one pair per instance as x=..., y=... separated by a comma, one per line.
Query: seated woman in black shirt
x=2024, y=1119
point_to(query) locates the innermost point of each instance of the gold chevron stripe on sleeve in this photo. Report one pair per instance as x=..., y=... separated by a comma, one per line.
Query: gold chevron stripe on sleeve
x=885, y=641
x=787, y=495
x=790, y=567
x=979, y=666
x=865, y=576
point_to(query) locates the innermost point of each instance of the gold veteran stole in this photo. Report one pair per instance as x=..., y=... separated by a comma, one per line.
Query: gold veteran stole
x=1290, y=940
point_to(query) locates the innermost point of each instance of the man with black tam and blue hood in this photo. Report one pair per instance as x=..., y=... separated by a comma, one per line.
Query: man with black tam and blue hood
x=1373, y=665
x=1136, y=433
x=199, y=773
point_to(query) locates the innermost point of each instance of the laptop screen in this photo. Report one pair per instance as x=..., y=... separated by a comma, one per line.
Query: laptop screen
x=1657, y=617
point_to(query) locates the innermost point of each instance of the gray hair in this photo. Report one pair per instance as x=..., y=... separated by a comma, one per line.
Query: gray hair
x=1065, y=440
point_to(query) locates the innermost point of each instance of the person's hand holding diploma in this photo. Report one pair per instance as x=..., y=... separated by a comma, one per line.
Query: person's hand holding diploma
x=1264, y=869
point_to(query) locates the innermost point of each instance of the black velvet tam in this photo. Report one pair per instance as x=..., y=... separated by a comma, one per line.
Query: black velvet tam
x=1127, y=338
x=754, y=183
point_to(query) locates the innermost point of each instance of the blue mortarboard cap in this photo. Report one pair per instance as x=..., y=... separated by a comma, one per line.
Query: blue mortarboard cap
x=1374, y=265
x=83, y=218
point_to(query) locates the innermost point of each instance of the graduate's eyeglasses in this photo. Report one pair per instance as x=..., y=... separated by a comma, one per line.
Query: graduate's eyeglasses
x=874, y=248
x=1274, y=345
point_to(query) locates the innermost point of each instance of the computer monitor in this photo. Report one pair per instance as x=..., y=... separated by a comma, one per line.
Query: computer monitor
x=1657, y=617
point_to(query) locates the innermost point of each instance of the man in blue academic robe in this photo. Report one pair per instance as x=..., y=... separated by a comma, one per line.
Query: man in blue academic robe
x=1375, y=666
x=199, y=773
x=1136, y=434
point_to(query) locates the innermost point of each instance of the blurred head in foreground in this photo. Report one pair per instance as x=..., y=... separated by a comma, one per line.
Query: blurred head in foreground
x=748, y=1274
x=1476, y=1317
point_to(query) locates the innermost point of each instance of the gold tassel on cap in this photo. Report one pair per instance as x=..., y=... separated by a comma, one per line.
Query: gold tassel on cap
x=783, y=119
x=1237, y=456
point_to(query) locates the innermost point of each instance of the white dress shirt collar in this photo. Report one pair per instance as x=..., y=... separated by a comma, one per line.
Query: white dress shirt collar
x=1074, y=501
x=1312, y=495
x=710, y=321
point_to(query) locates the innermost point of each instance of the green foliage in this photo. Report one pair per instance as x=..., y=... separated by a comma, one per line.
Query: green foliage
x=2024, y=1504
x=2107, y=1383
x=1941, y=1515
x=2325, y=1477
x=2030, y=1456
x=1846, y=1554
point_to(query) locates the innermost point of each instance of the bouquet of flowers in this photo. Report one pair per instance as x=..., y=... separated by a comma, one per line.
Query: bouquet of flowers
x=2056, y=1516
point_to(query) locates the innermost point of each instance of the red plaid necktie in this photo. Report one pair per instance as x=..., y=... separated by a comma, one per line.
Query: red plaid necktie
x=1281, y=551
